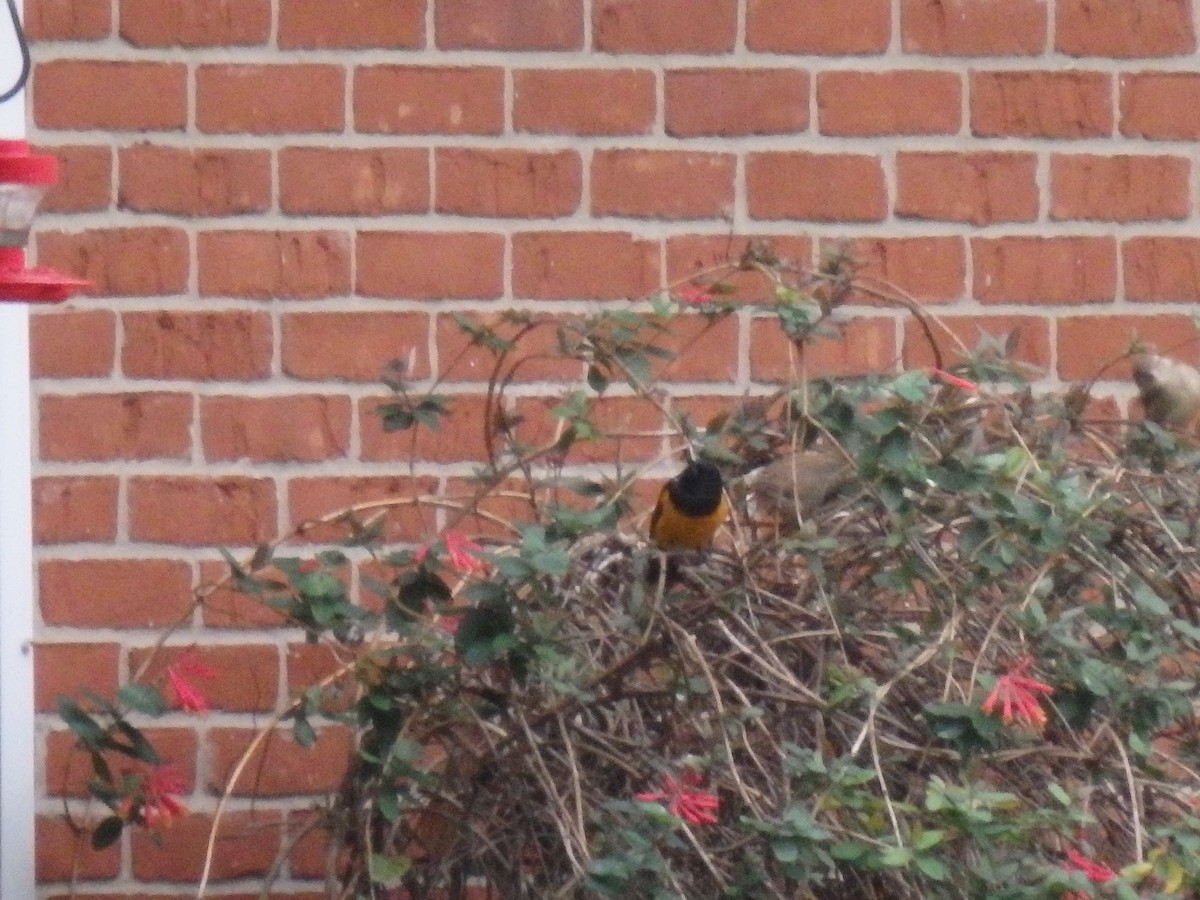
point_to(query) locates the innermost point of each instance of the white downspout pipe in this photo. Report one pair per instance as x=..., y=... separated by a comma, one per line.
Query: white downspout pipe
x=17, y=791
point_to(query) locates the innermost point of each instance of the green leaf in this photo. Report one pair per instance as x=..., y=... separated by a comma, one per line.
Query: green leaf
x=848, y=851
x=420, y=585
x=143, y=698
x=395, y=417
x=1147, y=599
x=786, y=851
x=912, y=386
x=1056, y=791
x=107, y=832
x=928, y=839
x=485, y=632
x=87, y=729
x=303, y=731
x=387, y=869
x=139, y=747
x=596, y=379
x=388, y=805
x=896, y=857
x=1139, y=745
x=933, y=868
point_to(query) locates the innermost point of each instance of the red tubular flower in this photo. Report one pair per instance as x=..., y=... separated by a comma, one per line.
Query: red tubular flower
x=1016, y=695
x=159, y=807
x=695, y=294
x=189, y=666
x=462, y=550
x=1097, y=872
x=683, y=800
x=954, y=380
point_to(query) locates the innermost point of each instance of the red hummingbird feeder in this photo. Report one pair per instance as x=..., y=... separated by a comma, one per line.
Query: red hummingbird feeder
x=24, y=179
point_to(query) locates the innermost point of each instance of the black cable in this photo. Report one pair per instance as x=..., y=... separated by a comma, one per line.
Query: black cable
x=24, y=46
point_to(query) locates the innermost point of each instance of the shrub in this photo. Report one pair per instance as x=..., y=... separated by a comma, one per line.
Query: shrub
x=967, y=672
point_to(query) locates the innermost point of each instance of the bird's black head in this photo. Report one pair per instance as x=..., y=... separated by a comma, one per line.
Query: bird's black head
x=697, y=489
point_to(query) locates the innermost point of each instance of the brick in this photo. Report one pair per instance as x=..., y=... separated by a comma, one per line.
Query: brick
x=1045, y=269
x=281, y=767
x=69, y=509
x=95, y=95
x=193, y=182
x=298, y=265
x=710, y=256
x=195, y=23
x=225, y=608
x=67, y=20
x=1088, y=343
x=232, y=345
x=72, y=343
x=311, y=498
x=828, y=27
x=509, y=24
x=231, y=510
x=1032, y=341
x=429, y=100
x=886, y=103
x=583, y=265
x=246, y=846
x=664, y=26
x=981, y=188
x=929, y=269
x=631, y=431
x=507, y=505
x=1124, y=28
x=354, y=346
x=84, y=179
x=865, y=345
x=308, y=664
x=351, y=24
x=121, y=262
x=1160, y=105
x=246, y=679
x=61, y=669
x=973, y=27
x=459, y=436
x=584, y=101
x=1066, y=104
x=1119, y=188
x=1162, y=269
x=537, y=357
x=705, y=350
x=310, y=850
x=269, y=99
x=295, y=428
x=342, y=181
x=815, y=186
x=662, y=184
x=64, y=855
x=735, y=102
x=68, y=767
x=86, y=427
x=114, y=593
x=507, y=183
x=430, y=265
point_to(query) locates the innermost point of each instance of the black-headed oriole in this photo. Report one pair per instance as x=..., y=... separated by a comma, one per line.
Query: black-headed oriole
x=690, y=508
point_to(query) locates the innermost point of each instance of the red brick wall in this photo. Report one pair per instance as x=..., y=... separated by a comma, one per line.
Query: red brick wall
x=275, y=197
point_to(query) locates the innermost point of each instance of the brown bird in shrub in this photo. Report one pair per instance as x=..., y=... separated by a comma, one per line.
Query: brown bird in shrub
x=793, y=486
x=1170, y=391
